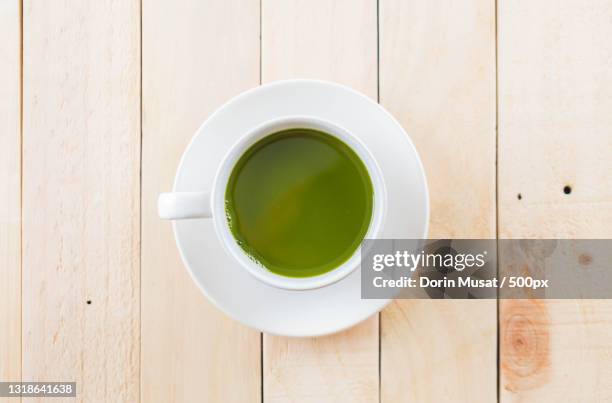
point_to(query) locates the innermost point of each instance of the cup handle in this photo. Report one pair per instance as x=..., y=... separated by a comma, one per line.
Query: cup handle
x=180, y=205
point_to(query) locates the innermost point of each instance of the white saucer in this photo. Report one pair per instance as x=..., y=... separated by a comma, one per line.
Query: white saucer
x=231, y=288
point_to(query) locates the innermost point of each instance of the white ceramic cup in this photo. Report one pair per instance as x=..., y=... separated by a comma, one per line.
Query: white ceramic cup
x=204, y=204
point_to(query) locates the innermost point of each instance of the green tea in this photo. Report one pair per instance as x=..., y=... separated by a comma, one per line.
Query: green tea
x=299, y=202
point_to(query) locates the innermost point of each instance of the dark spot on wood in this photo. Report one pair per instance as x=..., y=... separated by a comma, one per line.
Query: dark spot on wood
x=519, y=196
x=585, y=259
x=567, y=189
x=88, y=302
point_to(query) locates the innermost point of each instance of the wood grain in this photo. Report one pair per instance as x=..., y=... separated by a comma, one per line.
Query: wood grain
x=81, y=146
x=81, y=200
x=10, y=192
x=196, y=55
x=437, y=76
x=330, y=40
x=555, y=97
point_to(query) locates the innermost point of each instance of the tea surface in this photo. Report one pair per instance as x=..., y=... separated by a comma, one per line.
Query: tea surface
x=299, y=202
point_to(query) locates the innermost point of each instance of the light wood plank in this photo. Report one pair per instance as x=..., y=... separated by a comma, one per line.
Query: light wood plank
x=81, y=146
x=10, y=192
x=437, y=76
x=196, y=55
x=330, y=40
x=555, y=130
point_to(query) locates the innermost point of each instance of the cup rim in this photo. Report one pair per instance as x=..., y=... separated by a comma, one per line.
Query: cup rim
x=223, y=174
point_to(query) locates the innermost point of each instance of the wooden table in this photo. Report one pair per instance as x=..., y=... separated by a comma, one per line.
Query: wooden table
x=507, y=103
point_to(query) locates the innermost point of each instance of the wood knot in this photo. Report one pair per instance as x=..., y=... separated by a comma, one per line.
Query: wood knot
x=585, y=259
x=524, y=344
